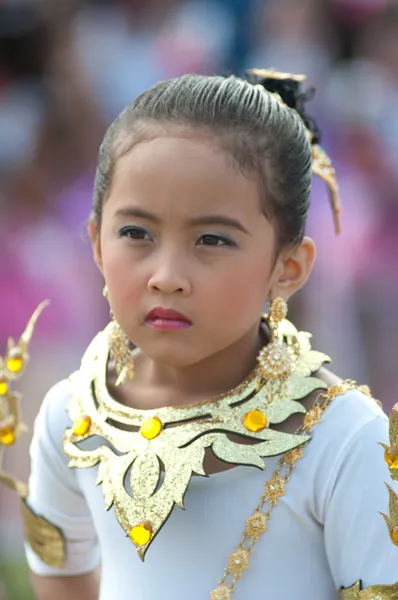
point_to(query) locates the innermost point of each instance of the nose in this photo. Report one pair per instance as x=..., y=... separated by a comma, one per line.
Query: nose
x=168, y=277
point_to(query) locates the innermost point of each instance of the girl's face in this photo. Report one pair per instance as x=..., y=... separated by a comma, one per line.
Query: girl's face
x=182, y=230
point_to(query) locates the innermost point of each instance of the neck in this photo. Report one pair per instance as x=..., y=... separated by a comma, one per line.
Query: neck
x=217, y=374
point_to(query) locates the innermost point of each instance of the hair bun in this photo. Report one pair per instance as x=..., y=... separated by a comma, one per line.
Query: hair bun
x=288, y=87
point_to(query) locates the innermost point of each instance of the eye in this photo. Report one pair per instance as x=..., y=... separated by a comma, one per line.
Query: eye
x=135, y=233
x=210, y=239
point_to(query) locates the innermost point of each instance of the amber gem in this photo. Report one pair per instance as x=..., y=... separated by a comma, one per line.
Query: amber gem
x=151, y=428
x=15, y=363
x=81, y=425
x=394, y=536
x=7, y=436
x=141, y=534
x=255, y=420
x=3, y=386
x=391, y=458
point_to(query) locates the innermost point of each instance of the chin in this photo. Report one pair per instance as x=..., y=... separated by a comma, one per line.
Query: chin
x=169, y=356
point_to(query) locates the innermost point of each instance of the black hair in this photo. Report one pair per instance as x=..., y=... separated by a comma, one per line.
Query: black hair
x=259, y=122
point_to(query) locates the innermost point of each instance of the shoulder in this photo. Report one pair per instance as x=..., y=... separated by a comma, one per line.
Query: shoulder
x=53, y=418
x=352, y=417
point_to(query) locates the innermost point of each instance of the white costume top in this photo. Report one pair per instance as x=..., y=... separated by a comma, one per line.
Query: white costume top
x=326, y=532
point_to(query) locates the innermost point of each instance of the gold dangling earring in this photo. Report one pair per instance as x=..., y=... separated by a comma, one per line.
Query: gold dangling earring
x=119, y=349
x=275, y=358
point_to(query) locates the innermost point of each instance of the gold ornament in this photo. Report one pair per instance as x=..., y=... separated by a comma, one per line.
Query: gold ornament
x=119, y=349
x=374, y=592
x=275, y=358
x=176, y=439
x=392, y=518
x=45, y=539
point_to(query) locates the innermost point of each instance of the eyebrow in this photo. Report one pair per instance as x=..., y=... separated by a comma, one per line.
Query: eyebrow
x=212, y=219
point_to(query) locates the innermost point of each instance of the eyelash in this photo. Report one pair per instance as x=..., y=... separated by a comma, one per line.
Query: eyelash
x=129, y=232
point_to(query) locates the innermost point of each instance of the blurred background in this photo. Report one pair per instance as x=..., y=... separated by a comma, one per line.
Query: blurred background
x=67, y=68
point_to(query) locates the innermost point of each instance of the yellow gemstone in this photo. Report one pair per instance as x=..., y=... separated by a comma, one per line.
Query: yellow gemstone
x=391, y=458
x=7, y=436
x=3, y=387
x=255, y=420
x=151, y=428
x=394, y=536
x=81, y=425
x=15, y=363
x=141, y=534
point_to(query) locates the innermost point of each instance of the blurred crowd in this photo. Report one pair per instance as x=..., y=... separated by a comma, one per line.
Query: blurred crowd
x=67, y=68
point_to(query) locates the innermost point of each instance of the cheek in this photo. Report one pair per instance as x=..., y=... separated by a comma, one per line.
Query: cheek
x=240, y=289
x=123, y=277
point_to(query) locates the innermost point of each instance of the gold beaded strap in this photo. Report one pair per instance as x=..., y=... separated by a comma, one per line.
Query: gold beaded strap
x=375, y=592
x=256, y=524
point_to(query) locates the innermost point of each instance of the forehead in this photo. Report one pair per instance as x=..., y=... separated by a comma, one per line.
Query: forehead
x=187, y=172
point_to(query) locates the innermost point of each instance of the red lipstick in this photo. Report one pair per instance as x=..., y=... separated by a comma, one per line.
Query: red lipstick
x=167, y=319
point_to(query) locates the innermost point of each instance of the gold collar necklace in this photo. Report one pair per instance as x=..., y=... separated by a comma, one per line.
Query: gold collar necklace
x=175, y=439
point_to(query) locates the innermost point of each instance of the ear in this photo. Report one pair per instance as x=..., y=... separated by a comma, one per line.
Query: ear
x=95, y=238
x=292, y=269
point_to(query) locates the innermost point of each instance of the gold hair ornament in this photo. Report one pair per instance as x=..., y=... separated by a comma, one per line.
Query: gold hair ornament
x=176, y=438
x=44, y=538
x=288, y=92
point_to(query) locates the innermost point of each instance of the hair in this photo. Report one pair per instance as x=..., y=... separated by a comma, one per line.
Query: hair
x=265, y=131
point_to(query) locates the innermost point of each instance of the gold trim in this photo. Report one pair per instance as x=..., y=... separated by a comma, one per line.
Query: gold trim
x=374, y=592
x=46, y=540
x=186, y=432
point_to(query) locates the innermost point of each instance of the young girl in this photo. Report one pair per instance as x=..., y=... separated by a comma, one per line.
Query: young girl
x=198, y=220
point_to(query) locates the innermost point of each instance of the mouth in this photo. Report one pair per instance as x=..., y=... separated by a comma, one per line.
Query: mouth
x=166, y=319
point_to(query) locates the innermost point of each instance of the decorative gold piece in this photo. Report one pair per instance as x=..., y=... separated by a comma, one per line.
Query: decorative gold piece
x=221, y=593
x=46, y=540
x=394, y=535
x=186, y=432
x=7, y=436
x=275, y=361
x=14, y=361
x=392, y=519
x=256, y=524
x=275, y=358
x=322, y=167
x=141, y=534
x=151, y=428
x=81, y=425
x=272, y=74
x=274, y=489
x=119, y=348
x=278, y=310
x=238, y=561
x=391, y=452
x=391, y=457
x=375, y=592
x=255, y=420
x=3, y=386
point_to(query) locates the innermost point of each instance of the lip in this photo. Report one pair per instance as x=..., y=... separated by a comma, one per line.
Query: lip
x=167, y=319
